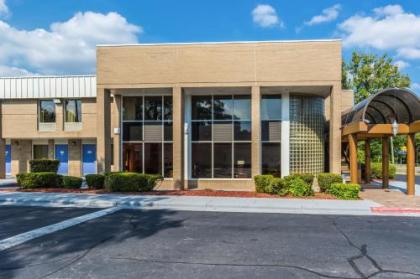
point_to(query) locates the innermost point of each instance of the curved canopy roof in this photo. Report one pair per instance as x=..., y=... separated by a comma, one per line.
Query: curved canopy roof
x=384, y=107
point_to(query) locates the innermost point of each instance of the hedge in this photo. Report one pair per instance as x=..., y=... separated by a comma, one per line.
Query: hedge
x=263, y=182
x=297, y=187
x=95, y=181
x=326, y=179
x=44, y=165
x=345, y=191
x=307, y=177
x=72, y=182
x=39, y=180
x=377, y=170
x=130, y=182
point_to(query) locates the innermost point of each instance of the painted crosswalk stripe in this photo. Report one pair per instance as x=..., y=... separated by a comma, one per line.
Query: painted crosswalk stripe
x=27, y=236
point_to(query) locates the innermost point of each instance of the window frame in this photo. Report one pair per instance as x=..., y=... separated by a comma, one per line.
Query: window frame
x=40, y=110
x=65, y=102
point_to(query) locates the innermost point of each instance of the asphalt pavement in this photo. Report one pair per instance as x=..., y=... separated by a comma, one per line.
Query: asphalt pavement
x=188, y=244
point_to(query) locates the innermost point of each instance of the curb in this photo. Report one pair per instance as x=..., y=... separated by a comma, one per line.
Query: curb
x=395, y=210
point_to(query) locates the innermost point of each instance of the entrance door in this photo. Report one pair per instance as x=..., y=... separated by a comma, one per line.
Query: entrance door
x=62, y=155
x=8, y=159
x=89, y=158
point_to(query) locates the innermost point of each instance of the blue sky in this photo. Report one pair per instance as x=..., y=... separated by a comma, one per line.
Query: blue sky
x=59, y=36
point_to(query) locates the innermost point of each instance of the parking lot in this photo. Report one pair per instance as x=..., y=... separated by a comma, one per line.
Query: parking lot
x=170, y=244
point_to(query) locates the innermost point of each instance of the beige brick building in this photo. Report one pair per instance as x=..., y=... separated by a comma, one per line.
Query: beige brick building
x=205, y=115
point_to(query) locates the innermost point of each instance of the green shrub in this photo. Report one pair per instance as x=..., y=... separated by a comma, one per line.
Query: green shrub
x=377, y=170
x=326, y=179
x=279, y=186
x=44, y=165
x=263, y=182
x=72, y=182
x=307, y=177
x=95, y=181
x=130, y=182
x=297, y=187
x=345, y=191
x=39, y=180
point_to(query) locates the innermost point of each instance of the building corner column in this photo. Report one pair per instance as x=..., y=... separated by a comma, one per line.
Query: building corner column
x=51, y=149
x=178, y=138
x=116, y=117
x=2, y=148
x=285, y=134
x=335, y=129
x=256, y=130
x=103, y=112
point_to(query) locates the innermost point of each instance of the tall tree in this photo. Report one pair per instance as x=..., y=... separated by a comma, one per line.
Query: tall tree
x=368, y=73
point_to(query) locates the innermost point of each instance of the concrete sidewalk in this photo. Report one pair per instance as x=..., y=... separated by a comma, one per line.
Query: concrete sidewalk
x=221, y=204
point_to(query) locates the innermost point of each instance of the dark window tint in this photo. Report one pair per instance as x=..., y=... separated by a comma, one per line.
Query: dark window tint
x=223, y=107
x=153, y=108
x=133, y=108
x=46, y=111
x=271, y=130
x=201, y=131
x=201, y=160
x=133, y=157
x=153, y=158
x=167, y=106
x=271, y=107
x=271, y=158
x=201, y=107
x=168, y=164
x=73, y=110
x=132, y=131
x=242, y=130
x=40, y=151
x=242, y=107
x=223, y=160
x=242, y=160
x=168, y=131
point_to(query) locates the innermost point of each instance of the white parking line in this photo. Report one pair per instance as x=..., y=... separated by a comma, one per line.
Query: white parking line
x=24, y=237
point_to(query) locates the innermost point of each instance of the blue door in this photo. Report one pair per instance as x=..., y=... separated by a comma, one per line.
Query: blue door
x=8, y=159
x=62, y=155
x=89, y=158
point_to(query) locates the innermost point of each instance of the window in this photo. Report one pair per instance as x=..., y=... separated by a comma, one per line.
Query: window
x=147, y=134
x=271, y=134
x=46, y=111
x=73, y=111
x=40, y=151
x=221, y=136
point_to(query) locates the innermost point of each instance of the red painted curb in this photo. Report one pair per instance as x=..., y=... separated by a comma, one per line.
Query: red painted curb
x=394, y=210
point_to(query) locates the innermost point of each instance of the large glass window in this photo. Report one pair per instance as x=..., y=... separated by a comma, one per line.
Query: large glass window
x=46, y=111
x=147, y=134
x=40, y=151
x=73, y=111
x=271, y=134
x=221, y=136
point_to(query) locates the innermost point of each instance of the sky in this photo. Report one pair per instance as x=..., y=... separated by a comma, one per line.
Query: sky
x=59, y=36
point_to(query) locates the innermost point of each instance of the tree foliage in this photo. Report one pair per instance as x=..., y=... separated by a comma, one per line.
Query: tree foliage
x=366, y=74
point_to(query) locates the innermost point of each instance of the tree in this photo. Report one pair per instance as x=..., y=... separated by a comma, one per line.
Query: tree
x=366, y=74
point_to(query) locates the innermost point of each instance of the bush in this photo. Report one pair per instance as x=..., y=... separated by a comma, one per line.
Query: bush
x=39, y=180
x=307, y=177
x=377, y=170
x=326, y=179
x=345, y=191
x=72, y=182
x=263, y=182
x=95, y=181
x=130, y=182
x=297, y=187
x=44, y=165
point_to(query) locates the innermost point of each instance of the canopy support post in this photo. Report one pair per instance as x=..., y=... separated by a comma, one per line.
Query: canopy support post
x=385, y=162
x=411, y=163
x=353, y=158
x=368, y=171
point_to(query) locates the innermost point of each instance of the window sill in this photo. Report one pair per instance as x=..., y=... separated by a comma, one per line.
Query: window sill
x=73, y=126
x=47, y=127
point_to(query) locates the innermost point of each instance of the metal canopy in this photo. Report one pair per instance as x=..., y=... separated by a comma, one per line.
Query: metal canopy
x=384, y=107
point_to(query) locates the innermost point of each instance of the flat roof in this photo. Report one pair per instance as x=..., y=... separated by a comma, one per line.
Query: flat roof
x=224, y=42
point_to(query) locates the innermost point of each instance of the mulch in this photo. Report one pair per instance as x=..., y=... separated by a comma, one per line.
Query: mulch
x=196, y=193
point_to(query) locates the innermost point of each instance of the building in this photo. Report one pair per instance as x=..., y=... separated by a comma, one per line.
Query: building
x=204, y=115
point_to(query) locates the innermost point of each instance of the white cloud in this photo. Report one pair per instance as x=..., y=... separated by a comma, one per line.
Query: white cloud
x=266, y=16
x=67, y=47
x=13, y=71
x=415, y=86
x=327, y=15
x=388, y=28
x=4, y=10
x=401, y=64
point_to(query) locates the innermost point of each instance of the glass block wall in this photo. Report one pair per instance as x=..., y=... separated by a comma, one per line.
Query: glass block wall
x=306, y=134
